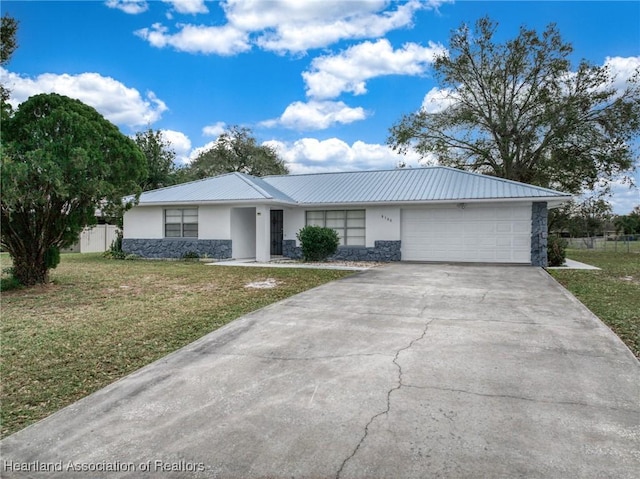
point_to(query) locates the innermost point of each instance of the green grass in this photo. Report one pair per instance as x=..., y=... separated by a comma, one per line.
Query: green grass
x=102, y=319
x=613, y=294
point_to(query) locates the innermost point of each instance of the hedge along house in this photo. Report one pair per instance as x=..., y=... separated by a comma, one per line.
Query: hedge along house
x=435, y=214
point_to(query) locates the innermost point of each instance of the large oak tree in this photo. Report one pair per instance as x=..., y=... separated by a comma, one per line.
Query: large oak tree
x=518, y=110
x=61, y=160
x=237, y=150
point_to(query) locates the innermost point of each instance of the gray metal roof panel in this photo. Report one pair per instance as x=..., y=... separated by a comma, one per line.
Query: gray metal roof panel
x=383, y=186
x=224, y=188
x=404, y=185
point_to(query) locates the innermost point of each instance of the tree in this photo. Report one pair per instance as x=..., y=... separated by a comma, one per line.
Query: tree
x=237, y=150
x=160, y=158
x=517, y=110
x=8, y=45
x=628, y=224
x=588, y=218
x=60, y=161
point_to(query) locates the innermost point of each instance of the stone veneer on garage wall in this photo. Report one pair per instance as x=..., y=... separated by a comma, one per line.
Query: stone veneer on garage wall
x=176, y=247
x=382, y=251
x=539, y=234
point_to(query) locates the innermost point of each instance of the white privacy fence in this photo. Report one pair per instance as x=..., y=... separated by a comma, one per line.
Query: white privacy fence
x=95, y=239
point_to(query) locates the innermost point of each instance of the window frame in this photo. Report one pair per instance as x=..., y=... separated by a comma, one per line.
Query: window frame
x=186, y=227
x=345, y=230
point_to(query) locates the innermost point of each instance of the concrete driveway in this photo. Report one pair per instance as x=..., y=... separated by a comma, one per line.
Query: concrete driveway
x=403, y=371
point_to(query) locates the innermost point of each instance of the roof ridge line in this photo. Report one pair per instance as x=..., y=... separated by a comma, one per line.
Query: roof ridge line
x=357, y=171
x=248, y=179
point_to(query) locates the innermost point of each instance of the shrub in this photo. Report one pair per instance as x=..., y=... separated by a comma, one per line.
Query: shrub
x=556, y=253
x=318, y=243
x=9, y=282
x=115, y=250
x=190, y=255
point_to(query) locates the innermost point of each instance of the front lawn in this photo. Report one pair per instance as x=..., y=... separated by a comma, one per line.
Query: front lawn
x=102, y=319
x=613, y=294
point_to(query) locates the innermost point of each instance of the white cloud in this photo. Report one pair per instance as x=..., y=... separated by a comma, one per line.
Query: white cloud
x=319, y=24
x=316, y=115
x=116, y=102
x=188, y=6
x=310, y=155
x=225, y=40
x=348, y=71
x=437, y=100
x=624, y=191
x=214, y=130
x=622, y=70
x=180, y=144
x=285, y=25
x=624, y=198
x=132, y=7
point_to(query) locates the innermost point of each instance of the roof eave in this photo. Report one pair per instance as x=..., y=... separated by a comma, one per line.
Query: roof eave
x=528, y=199
x=261, y=201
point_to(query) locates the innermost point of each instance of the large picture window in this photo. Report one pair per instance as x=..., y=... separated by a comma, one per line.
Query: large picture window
x=181, y=223
x=349, y=224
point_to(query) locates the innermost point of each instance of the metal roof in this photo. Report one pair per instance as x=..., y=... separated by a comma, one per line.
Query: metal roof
x=429, y=184
x=438, y=183
x=224, y=188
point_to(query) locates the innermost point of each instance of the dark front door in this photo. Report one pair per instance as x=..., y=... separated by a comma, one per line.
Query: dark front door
x=277, y=228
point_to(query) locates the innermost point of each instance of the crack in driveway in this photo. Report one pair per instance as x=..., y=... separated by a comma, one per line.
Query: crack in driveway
x=522, y=398
x=389, y=392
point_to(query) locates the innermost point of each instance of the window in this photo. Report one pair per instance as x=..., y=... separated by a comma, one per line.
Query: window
x=182, y=223
x=349, y=224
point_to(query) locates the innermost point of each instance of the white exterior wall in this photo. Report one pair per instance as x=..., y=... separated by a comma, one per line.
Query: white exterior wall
x=243, y=232
x=147, y=222
x=263, y=233
x=144, y=222
x=214, y=222
x=294, y=220
x=383, y=223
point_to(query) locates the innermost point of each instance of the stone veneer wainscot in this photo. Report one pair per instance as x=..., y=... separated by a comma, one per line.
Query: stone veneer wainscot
x=176, y=247
x=382, y=251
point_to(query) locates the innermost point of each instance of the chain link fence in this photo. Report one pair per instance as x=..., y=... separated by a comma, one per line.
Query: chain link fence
x=621, y=243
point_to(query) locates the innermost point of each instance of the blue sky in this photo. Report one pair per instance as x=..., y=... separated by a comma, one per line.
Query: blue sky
x=322, y=81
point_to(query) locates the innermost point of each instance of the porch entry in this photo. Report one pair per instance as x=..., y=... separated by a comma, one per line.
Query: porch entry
x=277, y=231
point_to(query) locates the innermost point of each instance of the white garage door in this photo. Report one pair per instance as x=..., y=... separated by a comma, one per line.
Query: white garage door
x=476, y=233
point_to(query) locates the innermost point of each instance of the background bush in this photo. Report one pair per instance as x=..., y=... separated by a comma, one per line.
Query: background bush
x=115, y=250
x=556, y=250
x=318, y=243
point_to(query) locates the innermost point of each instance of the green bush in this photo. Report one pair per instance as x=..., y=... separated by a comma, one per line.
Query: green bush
x=52, y=257
x=190, y=255
x=318, y=243
x=556, y=250
x=9, y=282
x=115, y=250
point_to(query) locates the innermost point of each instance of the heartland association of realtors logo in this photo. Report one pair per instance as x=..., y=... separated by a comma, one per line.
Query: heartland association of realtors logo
x=103, y=466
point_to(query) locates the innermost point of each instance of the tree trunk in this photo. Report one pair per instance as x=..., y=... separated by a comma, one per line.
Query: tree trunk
x=31, y=269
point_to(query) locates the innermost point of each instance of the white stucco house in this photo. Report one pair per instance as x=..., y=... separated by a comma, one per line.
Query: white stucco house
x=422, y=214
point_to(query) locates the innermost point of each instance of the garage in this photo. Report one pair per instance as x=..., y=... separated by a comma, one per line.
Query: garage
x=467, y=232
